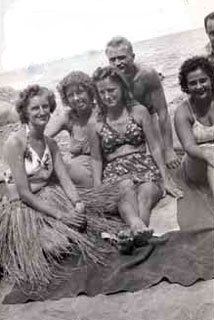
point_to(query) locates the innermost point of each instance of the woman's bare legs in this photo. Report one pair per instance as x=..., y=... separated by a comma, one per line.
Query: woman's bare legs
x=128, y=206
x=128, y=209
x=135, y=209
x=198, y=172
x=80, y=171
x=148, y=195
x=210, y=178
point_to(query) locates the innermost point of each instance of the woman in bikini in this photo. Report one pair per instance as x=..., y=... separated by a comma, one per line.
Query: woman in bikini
x=118, y=149
x=77, y=95
x=194, y=120
x=39, y=221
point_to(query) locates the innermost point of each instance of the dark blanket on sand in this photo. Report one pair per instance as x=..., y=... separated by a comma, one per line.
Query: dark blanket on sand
x=186, y=257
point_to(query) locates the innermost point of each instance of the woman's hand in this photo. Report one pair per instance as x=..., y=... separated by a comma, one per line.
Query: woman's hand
x=58, y=215
x=79, y=207
x=171, y=159
x=79, y=220
x=171, y=187
x=76, y=220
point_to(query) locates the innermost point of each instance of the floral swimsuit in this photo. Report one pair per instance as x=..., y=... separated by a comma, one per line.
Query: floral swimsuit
x=38, y=169
x=137, y=164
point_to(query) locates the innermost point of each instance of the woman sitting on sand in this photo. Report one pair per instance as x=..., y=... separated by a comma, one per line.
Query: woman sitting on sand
x=118, y=150
x=39, y=221
x=77, y=93
x=194, y=120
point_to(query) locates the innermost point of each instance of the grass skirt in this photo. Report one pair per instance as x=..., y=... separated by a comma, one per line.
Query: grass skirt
x=31, y=243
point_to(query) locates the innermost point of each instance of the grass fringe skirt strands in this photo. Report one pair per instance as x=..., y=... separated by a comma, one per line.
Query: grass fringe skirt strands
x=31, y=244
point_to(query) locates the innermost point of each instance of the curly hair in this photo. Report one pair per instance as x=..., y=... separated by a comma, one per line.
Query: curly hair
x=192, y=64
x=75, y=78
x=115, y=75
x=30, y=92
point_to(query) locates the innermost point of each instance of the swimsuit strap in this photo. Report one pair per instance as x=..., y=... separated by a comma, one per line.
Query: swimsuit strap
x=47, y=149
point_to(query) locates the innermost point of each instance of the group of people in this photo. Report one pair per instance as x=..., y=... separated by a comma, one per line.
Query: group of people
x=120, y=134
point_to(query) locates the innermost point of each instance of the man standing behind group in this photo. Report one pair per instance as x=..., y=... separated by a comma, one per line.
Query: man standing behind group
x=209, y=27
x=146, y=88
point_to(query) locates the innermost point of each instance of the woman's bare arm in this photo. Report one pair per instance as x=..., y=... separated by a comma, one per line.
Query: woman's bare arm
x=156, y=151
x=57, y=124
x=62, y=175
x=183, y=126
x=96, y=156
x=152, y=142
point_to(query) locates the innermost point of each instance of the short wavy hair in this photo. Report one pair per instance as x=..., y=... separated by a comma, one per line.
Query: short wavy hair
x=210, y=16
x=75, y=78
x=192, y=64
x=118, y=41
x=30, y=92
x=115, y=75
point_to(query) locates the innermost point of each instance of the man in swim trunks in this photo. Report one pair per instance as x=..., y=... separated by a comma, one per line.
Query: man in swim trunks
x=209, y=27
x=146, y=87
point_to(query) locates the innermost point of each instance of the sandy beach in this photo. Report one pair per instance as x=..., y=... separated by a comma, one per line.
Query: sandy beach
x=163, y=301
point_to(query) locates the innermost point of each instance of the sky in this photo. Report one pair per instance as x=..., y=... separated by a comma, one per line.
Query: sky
x=37, y=31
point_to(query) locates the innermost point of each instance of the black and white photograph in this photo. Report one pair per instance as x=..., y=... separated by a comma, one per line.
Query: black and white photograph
x=106, y=160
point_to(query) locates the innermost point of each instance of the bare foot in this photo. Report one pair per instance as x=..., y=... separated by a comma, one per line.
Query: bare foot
x=142, y=238
x=125, y=241
x=141, y=233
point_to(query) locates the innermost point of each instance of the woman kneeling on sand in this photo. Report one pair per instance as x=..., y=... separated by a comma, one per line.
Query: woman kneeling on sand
x=77, y=93
x=118, y=149
x=39, y=221
x=194, y=121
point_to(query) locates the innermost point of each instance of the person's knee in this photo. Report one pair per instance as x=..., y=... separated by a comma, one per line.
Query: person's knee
x=149, y=193
x=80, y=176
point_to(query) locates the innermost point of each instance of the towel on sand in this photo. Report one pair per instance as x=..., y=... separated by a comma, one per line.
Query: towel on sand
x=186, y=257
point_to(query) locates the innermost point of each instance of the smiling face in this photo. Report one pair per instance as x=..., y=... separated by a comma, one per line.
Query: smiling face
x=121, y=57
x=38, y=110
x=78, y=98
x=110, y=93
x=199, y=84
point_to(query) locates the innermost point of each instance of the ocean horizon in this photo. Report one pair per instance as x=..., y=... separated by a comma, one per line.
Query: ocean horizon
x=165, y=54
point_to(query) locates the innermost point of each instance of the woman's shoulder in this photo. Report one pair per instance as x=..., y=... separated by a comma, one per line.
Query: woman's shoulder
x=182, y=110
x=59, y=122
x=51, y=142
x=94, y=122
x=139, y=110
x=183, y=115
x=66, y=116
x=17, y=138
x=16, y=141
